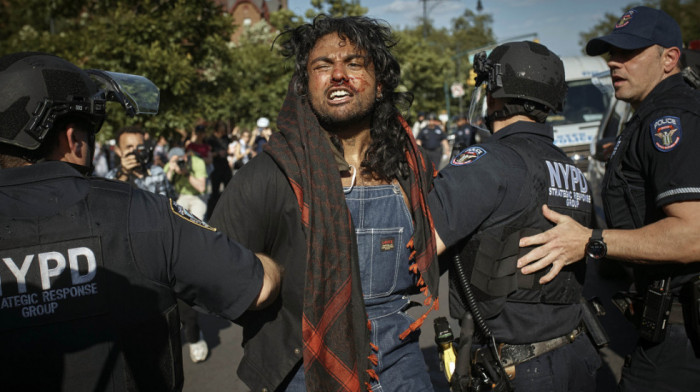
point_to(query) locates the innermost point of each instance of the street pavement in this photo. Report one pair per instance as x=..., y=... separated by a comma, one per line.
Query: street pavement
x=218, y=372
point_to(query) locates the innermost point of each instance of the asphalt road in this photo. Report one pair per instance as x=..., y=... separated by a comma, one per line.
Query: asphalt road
x=218, y=372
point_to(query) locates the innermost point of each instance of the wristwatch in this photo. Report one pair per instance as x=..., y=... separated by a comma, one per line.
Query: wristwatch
x=596, y=247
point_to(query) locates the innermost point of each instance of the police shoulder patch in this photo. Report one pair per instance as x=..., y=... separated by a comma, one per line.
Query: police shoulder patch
x=666, y=133
x=182, y=212
x=468, y=156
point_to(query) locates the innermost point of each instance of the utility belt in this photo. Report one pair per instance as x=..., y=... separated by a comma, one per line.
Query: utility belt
x=652, y=312
x=515, y=354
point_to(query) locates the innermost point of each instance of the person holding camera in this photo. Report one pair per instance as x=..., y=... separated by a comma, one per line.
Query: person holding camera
x=136, y=166
x=136, y=169
x=188, y=174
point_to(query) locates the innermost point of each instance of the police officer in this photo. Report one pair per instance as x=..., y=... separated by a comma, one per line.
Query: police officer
x=465, y=134
x=651, y=194
x=91, y=267
x=489, y=197
x=434, y=140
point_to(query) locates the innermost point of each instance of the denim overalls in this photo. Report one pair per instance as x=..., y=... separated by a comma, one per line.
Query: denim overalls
x=383, y=227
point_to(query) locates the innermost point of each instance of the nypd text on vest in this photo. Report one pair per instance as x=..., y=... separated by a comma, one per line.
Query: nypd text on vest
x=41, y=269
x=566, y=181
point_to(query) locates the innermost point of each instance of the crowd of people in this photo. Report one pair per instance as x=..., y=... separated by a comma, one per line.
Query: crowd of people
x=192, y=167
x=333, y=223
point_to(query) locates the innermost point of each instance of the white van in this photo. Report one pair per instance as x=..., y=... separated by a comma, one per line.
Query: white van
x=584, y=107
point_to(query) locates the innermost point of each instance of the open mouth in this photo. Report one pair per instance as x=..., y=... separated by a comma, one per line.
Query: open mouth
x=339, y=95
x=617, y=80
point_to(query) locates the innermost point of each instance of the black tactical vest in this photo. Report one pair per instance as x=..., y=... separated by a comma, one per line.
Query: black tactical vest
x=75, y=312
x=625, y=209
x=494, y=251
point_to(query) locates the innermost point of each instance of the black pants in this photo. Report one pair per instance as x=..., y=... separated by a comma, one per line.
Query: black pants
x=667, y=366
x=217, y=178
x=435, y=156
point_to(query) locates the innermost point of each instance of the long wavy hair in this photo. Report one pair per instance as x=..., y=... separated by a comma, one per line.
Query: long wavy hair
x=385, y=156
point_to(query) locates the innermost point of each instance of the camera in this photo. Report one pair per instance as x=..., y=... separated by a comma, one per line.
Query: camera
x=143, y=154
x=182, y=164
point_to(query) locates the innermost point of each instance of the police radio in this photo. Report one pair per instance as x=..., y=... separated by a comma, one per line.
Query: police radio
x=657, y=309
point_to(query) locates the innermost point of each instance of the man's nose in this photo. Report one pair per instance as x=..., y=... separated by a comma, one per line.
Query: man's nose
x=339, y=73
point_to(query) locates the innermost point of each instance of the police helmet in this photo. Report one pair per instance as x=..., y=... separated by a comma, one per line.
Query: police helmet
x=523, y=70
x=36, y=89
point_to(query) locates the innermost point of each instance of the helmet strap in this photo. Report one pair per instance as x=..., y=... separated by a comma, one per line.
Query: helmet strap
x=518, y=106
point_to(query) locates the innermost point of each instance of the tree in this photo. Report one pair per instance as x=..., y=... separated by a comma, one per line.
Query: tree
x=183, y=46
x=685, y=12
x=431, y=63
x=336, y=8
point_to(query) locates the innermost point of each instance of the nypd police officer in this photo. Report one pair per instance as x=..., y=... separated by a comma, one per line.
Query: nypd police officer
x=91, y=267
x=651, y=194
x=490, y=196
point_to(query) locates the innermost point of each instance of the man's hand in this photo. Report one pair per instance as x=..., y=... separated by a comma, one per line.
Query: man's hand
x=561, y=245
x=271, y=282
x=128, y=163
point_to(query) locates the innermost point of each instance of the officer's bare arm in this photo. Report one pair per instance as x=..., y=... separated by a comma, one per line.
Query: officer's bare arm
x=676, y=238
x=271, y=282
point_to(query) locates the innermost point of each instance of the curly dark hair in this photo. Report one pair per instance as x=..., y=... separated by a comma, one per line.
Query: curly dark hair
x=385, y=156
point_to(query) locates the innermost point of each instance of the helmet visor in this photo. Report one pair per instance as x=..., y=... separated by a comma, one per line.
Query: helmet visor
x=478, y=108
x=135, y=93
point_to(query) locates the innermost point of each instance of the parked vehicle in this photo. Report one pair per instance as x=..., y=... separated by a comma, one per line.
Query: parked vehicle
x=584, y=108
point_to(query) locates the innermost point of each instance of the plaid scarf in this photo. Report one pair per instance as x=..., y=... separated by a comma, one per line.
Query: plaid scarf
x=334, y=324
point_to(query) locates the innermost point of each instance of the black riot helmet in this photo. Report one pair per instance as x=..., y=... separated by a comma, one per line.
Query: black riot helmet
x=36, y=89
x=526, y=74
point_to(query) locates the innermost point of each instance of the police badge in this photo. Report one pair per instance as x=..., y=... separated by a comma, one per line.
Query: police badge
x=666, y=133
x=468, y=156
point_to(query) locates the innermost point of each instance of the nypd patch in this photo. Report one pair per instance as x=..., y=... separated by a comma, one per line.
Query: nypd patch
x=182, y=212
x=666, y=133
x=468, y=156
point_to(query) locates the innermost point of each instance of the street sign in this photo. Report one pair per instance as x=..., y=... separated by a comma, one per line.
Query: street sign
x=457, y=90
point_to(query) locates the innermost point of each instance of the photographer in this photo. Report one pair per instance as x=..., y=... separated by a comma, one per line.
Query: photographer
x=136, y=167
x=188, y=174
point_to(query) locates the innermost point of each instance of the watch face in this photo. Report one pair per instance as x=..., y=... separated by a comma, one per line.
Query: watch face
x=596, y=249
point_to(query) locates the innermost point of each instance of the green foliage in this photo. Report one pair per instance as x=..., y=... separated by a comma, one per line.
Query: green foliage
x=685, y=12
x=336, y=8
x=185, y=48
x=430, y=64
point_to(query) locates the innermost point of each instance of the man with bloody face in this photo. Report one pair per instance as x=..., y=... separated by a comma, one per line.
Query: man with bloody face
x=339, y=197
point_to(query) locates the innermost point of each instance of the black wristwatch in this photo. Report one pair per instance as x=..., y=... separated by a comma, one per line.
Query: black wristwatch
x=596, y=248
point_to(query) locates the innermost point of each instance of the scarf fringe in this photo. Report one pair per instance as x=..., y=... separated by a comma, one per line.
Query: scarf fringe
x=374, y=359
x=419, y=322
x=372, y=374
x=433, y=304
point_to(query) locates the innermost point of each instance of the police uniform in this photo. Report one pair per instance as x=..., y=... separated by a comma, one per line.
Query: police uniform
x=482, y=204
x=431, y=138
x=89, y=272
x=654, y=164
x=464, y=136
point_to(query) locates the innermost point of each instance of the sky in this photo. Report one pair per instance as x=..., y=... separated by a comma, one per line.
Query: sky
x=557, y=23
